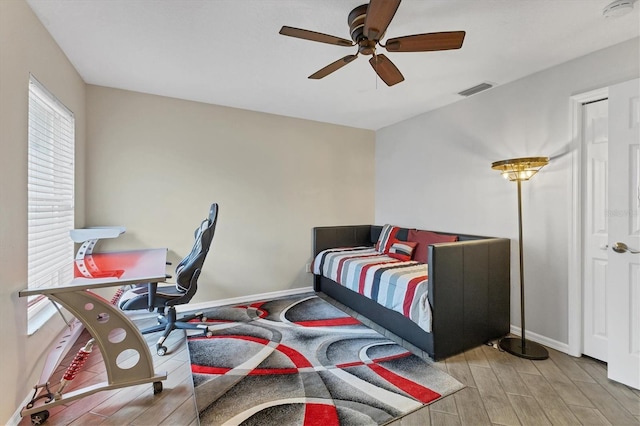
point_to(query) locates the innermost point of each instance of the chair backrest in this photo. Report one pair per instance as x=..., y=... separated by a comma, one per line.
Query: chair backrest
x=188, y=270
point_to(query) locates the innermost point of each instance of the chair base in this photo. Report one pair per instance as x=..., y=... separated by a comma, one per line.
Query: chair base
x=169, y=322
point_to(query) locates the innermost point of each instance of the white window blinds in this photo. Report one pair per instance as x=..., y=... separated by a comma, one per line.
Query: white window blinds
x=50, y=189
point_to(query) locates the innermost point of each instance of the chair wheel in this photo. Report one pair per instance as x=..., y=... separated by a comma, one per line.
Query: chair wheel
x=204, y=319
x=40, y=417
x=208, y=333
x=162, y=350
x=157, y=387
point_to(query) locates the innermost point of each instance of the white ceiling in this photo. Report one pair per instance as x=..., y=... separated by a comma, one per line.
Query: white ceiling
x=229, y=52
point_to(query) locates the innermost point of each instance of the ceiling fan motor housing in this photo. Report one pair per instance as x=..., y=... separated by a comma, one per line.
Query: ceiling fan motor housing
x=356, y=20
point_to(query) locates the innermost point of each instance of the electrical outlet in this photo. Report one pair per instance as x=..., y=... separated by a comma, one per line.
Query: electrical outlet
x=307, y=268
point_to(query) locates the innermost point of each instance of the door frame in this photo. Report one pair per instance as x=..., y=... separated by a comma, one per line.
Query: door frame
x=576, y=250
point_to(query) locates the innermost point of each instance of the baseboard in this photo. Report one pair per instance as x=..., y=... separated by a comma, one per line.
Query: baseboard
x=543, y=340
x=244, y=299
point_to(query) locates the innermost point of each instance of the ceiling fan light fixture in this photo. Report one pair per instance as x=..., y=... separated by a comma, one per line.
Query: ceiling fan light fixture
x=618, y=8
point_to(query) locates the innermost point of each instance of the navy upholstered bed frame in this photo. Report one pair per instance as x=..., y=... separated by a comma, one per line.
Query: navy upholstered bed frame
x=469, y=290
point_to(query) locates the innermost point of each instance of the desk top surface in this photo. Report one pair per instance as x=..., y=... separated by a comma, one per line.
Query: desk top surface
x=112, y=269
x=96, y=232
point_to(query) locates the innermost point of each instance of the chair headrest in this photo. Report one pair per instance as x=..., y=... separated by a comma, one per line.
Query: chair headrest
x=213, y=212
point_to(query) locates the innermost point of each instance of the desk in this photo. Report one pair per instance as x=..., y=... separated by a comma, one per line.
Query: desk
x=119, y=340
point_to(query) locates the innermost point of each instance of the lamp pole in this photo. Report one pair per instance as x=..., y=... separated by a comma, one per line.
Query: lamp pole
x=521, y=252
x=520, y=169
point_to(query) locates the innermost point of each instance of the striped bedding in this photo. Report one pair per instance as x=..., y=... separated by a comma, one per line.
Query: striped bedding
x=395, y=284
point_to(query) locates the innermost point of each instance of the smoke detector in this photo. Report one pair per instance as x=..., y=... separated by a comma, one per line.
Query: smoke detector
x=618, y=8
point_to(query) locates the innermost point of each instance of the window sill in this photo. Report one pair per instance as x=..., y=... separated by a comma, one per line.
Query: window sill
x=40, y=318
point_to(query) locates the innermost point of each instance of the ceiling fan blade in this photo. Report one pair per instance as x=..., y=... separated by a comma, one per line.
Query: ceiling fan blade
x=379, y=15
x=314, y=36
x=426, y=42
x=387, y=71
x=334, y=66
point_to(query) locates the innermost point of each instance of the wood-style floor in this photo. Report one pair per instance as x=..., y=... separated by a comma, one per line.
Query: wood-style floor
x=501, y=389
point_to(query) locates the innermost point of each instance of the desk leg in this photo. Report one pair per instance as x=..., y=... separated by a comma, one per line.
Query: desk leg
x=125, y=352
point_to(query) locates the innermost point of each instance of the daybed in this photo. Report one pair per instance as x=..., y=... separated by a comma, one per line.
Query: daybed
x=468, y=287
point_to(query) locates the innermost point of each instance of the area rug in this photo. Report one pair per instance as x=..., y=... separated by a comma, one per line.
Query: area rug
x=302, y=361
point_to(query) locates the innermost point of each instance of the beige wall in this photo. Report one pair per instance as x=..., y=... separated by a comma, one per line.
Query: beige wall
x=155, y=164
x=25, y=46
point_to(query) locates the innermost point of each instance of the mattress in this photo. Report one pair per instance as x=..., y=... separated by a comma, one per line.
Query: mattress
x=401, y=286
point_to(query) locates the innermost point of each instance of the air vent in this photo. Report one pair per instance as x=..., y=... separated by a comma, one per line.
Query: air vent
x=476, y=89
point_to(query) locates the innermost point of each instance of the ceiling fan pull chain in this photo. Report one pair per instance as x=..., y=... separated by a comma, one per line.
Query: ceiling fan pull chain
x=375, y=58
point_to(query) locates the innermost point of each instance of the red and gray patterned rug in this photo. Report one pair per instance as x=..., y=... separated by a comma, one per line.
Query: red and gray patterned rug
x=302, y=361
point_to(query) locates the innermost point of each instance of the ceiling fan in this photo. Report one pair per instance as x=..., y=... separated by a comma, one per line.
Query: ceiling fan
x=367, y=25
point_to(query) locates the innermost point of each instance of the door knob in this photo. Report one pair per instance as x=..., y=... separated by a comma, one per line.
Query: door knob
x=622, y=247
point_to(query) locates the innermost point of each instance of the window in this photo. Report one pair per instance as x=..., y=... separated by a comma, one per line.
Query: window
x=50, y=192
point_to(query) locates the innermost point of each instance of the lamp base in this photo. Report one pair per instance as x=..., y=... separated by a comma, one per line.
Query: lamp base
x=531, y=350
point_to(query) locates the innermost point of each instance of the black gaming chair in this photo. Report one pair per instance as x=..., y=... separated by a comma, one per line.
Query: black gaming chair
x=163, y=299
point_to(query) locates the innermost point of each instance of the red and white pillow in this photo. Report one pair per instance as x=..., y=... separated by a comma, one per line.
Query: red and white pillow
x=389, y=244
x=402, y=250
x=417, y=246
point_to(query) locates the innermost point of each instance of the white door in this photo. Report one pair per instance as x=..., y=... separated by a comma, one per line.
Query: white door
x=623, y=272
x=595, y=234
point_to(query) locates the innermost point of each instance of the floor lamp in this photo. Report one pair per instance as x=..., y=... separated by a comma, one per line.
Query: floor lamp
x=518, y=170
